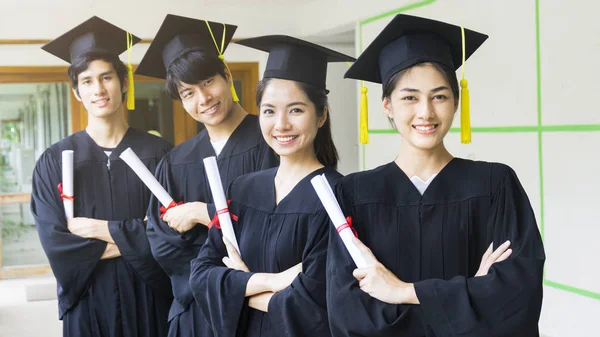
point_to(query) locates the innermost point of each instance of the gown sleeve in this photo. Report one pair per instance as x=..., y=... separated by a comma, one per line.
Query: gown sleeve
x=172, y=250
x=132, y=241
x=219, y=291
x=351, y=311
x=72, y=258
x=507, y=301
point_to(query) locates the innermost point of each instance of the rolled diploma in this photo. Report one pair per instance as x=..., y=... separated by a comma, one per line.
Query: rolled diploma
x=131, y=159
x=327, y=197
x=216, y=187
x=67, y=182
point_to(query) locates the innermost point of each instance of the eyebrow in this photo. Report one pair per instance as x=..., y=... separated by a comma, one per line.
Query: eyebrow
x=110, y=72
x=440, y=88
x=269, y=105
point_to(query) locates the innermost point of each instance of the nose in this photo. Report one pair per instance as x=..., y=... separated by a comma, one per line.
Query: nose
x=425, y=110
x=204, y=97
x=282, y=122
x=98, y=88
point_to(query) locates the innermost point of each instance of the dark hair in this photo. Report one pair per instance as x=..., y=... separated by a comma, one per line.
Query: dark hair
x=323, y=144
x=192, y=68
x=82, y=63
x=448, y=74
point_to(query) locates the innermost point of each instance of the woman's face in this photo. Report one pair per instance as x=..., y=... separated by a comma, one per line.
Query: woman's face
x=288, y=119
x=422, y=107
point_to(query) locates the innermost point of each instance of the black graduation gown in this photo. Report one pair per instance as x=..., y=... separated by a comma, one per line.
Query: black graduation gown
x=437, y=241
x=125, y=296
x=182, y=174
x=272, y=238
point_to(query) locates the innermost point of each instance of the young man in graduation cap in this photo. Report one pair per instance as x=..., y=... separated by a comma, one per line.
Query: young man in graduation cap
x=454, y=247
x=108, y=281
x=188, y=53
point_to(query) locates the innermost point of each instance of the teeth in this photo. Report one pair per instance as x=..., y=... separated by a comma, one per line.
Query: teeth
x=101, y=101
x=425, y=128
x=211, y=110
x=286, y=139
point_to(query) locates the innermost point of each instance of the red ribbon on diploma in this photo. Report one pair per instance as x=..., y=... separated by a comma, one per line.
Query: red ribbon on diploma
x=348, y=224
x=63, y=196
x=164, y=210
x=215, y=220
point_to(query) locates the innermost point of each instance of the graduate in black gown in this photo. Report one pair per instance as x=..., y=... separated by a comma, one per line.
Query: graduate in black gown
x=185, y=53
x=277, y=286
x=454, y=245
x=109, y=284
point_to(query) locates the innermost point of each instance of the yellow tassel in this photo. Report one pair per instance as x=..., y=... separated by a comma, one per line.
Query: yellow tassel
x=364, y=115
x=234, y=95
x=465, y=104
x=130, y=89
x=130, y=86
x=465, y=113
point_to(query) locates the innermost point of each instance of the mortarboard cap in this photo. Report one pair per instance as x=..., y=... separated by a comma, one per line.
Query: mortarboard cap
x=92, y=35
x=95, y=34
x=409, y=40
x=179, y=35
x=294, y=59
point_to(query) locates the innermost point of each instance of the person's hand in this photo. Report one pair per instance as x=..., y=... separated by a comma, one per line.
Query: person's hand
x=489, y=258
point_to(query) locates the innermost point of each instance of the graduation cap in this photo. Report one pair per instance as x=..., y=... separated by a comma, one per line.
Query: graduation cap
x=92, y=35
x=294, y=59
x=179, y=35
x=409, y=40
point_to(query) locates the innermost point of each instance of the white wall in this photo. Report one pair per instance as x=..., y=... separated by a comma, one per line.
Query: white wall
x=343, y=110
x=502, y=78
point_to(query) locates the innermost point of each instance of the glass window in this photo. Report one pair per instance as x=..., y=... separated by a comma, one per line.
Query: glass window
x=32, y=117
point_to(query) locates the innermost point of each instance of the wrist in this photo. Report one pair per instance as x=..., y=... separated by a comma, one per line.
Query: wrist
x=409, y=295
x=200, y=209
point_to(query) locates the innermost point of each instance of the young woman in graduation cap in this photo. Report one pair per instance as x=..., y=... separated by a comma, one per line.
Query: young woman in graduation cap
x=277, y=286
x=454, y=245
x=108, y=282
x=188, y=53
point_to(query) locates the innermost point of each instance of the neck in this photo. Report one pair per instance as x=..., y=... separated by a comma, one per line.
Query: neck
x=107, y=131
x=224, y=129
x=422, y=163
x=293, y=169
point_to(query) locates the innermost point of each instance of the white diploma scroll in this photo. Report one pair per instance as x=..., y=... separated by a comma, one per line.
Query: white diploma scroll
x=327, y=197
x=131, y=159
x=67, y=182
x=216, y=187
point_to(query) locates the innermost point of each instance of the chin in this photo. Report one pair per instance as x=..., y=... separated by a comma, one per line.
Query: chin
x=103, y=113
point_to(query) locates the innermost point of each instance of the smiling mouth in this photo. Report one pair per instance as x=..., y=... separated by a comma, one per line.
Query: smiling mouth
x=101, y=102
x=285, y=139
x=426, y=128
x=211, y=110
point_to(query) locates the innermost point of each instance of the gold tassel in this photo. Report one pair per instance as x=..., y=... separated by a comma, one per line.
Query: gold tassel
x=130, y=89
x=234, y=95
x=465, y=113
x=130, y=85
x=364, y=115
x=465, y=104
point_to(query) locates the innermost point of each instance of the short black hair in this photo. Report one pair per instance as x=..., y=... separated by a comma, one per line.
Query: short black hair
x=192, y=68
x=82, y=63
